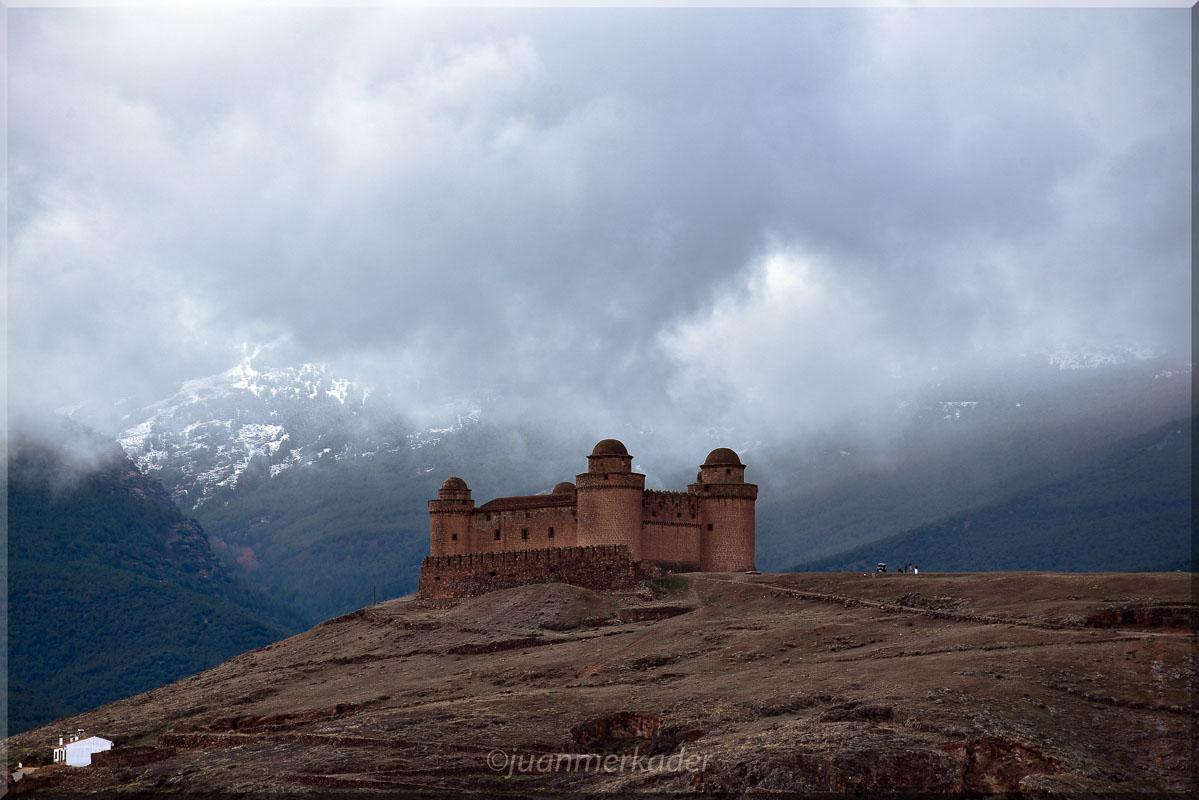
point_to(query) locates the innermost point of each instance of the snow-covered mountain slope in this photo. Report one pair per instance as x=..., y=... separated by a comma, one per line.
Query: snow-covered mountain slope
x=1096, y=356
x=313, y=488
x=252, y=423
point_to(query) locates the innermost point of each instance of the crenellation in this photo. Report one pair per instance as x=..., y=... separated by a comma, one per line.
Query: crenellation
x=601, y=521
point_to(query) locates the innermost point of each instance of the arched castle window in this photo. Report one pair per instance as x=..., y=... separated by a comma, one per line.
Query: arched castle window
x=524, y=534
x=550, y=534
x=453, y=537
x=709, y=526
x=497, y=534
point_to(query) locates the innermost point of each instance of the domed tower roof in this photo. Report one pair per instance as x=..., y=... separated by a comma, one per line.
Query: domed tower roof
x=565, y=487
x=722, y=457
x=454, y=482
x=609, y=447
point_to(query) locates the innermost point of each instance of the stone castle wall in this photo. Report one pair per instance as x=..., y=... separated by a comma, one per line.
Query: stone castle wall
x=670, y=528
x=600, y=568
x=450, y=527
x=610, y=510
x=727, y=528
x=523, y=529
x=709, y=527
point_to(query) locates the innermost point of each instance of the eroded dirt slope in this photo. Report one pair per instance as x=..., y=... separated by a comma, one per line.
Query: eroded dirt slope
x=932, y=683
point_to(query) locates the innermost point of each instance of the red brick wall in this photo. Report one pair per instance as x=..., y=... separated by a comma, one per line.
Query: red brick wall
x=449, y=526
x=514, y=523
x=610, y=509
x=722, y=474
x=727, y=527
x=674, y=544
x=473, y=574
x=601, y=464
x=670, y=528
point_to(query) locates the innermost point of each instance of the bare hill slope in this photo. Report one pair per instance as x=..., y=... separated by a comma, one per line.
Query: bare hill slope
x=801, y=682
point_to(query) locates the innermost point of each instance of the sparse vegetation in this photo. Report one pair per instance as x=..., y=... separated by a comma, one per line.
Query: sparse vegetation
x=111, y=590
x=669, y=585
x=787, y=694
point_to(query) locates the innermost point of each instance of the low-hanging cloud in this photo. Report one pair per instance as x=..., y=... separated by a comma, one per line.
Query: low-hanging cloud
x=685, y=218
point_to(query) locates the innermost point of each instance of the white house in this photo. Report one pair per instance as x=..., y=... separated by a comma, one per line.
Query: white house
x=77, y=752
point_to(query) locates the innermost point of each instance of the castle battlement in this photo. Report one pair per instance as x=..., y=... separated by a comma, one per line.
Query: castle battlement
x=602, y=567
x=605, y=517
x=516, y=556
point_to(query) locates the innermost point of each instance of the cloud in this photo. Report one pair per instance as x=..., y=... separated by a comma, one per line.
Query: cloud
x=666, y=217
x=764, y=351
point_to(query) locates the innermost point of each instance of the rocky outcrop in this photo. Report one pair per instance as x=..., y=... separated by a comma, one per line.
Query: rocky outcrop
x=629, y=732
x=1181, y=617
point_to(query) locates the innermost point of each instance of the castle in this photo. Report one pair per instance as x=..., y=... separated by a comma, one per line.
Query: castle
x=709, y=527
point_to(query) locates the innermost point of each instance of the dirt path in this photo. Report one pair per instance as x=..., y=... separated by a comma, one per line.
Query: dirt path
x=847, y=601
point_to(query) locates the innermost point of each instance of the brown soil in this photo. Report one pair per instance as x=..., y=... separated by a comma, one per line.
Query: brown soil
x=1033, y=683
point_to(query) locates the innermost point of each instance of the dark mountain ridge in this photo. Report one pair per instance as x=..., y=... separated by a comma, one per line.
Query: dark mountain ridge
x=1128, y=510
x=967, y=444
x=111, y=590
x=314, y=491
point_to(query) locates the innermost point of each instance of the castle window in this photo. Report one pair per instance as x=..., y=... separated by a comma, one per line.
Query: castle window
x=653, y=513
x=497, y=535
x=453, y=537
x=728, y=472
x=679, y=514
x=709, y=526
x=551, y=533
x=524, y=534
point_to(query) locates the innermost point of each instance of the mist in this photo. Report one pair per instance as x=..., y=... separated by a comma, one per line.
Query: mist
x=733, y=225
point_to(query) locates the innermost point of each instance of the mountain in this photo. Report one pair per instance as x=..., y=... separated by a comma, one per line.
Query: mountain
x=312, y=487
x=337, y=535
x=961, y=444
x=111, y=590
x=1128, y=510
x=983, y=685
x=224, y=434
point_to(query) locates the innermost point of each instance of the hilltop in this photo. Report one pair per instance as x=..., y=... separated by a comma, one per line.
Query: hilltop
x=1038, y=682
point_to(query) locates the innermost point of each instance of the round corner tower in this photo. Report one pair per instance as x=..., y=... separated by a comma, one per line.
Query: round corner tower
x=726, y=513
x=610, y=498
x=449, y=518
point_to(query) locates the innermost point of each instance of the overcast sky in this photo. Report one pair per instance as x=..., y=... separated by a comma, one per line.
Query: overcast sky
x=700, y=215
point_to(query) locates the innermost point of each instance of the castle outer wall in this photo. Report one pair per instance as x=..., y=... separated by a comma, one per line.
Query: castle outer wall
x=708, y=527
x=472, y=574
x=670, y=529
